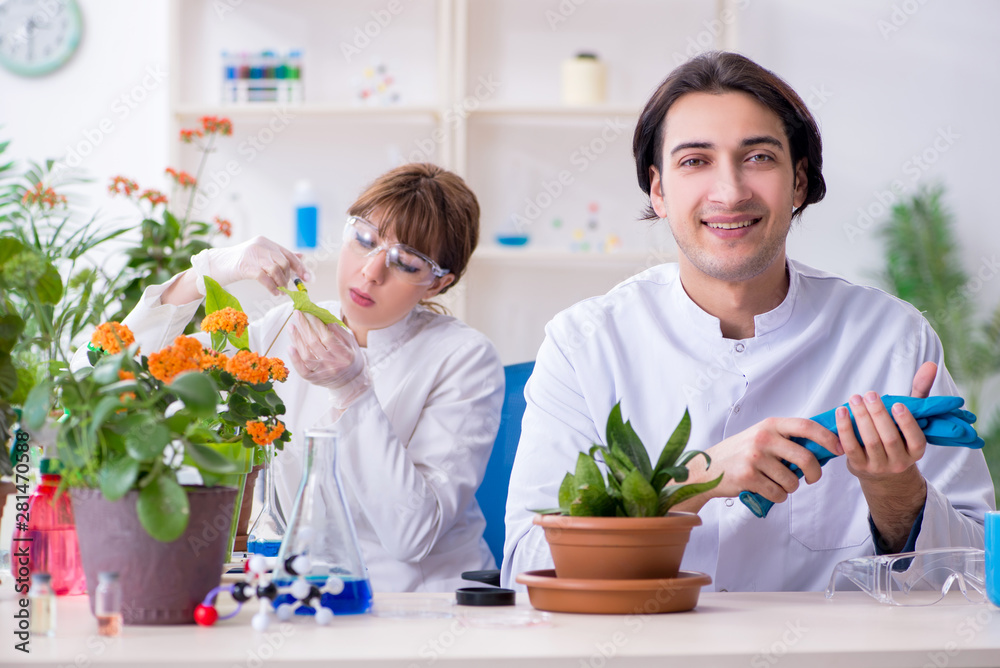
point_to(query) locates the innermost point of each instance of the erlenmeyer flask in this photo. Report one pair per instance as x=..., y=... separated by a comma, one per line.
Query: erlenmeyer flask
x=320, y=529
x=268, y=529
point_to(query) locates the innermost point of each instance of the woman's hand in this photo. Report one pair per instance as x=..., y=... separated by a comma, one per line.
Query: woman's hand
x=328, y=356
x=258, y=259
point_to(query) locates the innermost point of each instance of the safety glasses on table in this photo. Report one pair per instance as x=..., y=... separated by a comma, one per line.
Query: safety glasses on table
x=405, y=263
x=916, y=578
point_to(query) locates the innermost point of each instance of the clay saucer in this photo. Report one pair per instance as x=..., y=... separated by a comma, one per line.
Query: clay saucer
x=547, y=592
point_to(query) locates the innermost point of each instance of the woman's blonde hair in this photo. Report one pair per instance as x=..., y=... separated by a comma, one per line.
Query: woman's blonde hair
x=428, y=208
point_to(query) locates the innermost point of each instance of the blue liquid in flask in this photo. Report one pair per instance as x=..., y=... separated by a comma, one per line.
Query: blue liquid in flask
x=355, y=599
x=267, y=548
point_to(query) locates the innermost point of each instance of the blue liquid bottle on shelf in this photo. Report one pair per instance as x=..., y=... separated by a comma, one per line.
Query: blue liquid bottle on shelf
x=306, y=215
x=320, y=528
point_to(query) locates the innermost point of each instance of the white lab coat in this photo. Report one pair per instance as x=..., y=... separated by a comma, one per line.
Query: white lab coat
x=412, y=450
x=648, y=345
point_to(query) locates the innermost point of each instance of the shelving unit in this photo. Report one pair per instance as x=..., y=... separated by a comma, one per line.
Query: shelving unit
x=479, y=88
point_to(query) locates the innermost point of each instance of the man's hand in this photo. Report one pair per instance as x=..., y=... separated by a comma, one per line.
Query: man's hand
x=886, y=461
x=752, y=461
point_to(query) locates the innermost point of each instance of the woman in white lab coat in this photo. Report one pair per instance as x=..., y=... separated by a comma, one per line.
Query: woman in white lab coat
x=414, y=395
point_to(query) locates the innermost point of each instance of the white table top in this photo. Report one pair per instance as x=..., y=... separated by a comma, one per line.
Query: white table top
x=760, y=630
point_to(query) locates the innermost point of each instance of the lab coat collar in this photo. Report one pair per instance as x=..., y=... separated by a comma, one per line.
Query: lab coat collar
x=708, y=326
x=382, y=342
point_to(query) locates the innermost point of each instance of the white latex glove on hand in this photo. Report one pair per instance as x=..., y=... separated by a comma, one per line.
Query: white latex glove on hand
x=329, y=356
x=258, y=259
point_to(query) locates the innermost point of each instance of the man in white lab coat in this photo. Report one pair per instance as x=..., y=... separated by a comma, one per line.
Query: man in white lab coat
x=752, y=343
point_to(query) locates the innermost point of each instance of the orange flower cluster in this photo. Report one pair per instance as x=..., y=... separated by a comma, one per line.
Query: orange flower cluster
x=181, y=177
x=188, y=136
x=213, y=360
x=216, y=125
x=252, y=368
x=154, y=196
x=224, y=226
x=121, y=185
x=42, y=196
x=227, y=320
x=112, y=337
x=126, y=396
x=185, y=355
x=261, y=435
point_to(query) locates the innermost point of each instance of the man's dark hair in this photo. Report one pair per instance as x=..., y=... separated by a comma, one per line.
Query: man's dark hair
x=721, y=72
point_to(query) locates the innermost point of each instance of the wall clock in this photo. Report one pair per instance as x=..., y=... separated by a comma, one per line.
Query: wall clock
x=38, y=36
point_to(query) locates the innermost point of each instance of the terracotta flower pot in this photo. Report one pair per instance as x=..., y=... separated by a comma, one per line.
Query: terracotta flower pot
x=617, y=548
x=162, y=583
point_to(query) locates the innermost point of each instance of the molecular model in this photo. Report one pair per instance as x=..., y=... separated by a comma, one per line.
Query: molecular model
x=281, y=602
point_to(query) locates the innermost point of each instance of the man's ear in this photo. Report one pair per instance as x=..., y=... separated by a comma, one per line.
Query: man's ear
x=656, y=192
x=801, y=185
x=439, y=284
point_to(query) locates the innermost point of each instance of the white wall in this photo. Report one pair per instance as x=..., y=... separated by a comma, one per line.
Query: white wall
x=104, y=113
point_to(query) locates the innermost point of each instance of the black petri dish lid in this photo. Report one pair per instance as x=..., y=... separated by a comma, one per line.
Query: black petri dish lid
x=484, y=596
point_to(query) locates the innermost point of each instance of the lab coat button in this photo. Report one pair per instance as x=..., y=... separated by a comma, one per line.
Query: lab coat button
x=736, y=408
x=740, y=347
x=729, y=503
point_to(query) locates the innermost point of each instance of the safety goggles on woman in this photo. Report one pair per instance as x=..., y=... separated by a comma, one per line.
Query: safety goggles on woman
x=405, y=263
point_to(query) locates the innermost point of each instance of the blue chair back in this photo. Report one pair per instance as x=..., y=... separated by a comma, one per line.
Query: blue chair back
x=492, y=493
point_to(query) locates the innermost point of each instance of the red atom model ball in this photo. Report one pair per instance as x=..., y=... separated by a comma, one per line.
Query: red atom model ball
x=205, y=615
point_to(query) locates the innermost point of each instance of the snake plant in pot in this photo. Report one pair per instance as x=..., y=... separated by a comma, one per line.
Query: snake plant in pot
x=622, y=527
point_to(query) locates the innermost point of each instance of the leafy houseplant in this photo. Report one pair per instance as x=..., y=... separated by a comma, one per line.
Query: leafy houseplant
x=624, y=528
x=635, y=488
x=923, y=266
x=170, y=237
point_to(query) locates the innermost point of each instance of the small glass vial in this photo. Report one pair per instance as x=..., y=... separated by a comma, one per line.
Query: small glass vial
x=108, y=604
x=42, y=605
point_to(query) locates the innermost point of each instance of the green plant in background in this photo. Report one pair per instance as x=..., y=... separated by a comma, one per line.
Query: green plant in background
x=169, y=237
x=51, y=287
x=634, y=488
x=923, y=267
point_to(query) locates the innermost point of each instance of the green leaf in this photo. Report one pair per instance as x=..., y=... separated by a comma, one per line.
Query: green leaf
x=621, y=435
x=675, y=445
x=8, y=377
x=587, y=472
x=105, y=407
x=37, y=405
x=49, y=286
x=209, y=459
x=638, y=496
x=674, y=494
x=301, y=302
x=145, y=438
x=117, y=477
x=163, y=509
x=216, y=297
x=197, y=391
x=592, y=501
x=9, y=247
x=567, y=490
x=619, y=463
x=11, y=326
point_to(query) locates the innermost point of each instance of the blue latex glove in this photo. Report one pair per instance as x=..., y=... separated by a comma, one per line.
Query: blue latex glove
x=941, y=419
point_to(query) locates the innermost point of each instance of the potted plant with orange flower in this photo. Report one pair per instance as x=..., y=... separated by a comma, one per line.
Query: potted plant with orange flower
x=135, y=424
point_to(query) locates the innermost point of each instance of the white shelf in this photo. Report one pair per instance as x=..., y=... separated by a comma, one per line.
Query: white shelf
x=556, y=111
x=493, y=256
x=263, y=110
